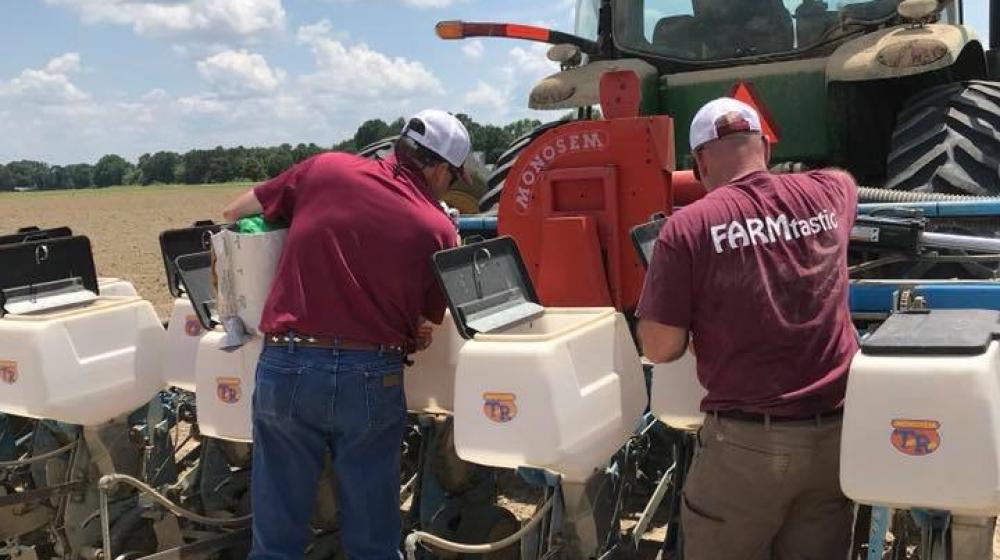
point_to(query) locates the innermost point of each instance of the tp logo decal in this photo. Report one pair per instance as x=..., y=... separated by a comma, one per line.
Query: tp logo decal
x=915, y=437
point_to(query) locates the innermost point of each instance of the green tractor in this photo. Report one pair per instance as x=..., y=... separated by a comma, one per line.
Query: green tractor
x=896, y=92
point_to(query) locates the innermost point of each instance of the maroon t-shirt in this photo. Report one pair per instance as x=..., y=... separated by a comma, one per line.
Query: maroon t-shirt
x=357, y=260
x=757, y=271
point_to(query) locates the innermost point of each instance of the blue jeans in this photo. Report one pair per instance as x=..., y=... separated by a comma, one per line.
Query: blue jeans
x=308, y=400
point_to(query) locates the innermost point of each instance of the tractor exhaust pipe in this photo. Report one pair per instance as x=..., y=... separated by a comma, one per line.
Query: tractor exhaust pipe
x=994, y=25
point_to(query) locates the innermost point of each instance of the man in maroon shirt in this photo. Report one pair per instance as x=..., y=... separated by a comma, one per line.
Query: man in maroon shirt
x=353, y=285
x=756, y=271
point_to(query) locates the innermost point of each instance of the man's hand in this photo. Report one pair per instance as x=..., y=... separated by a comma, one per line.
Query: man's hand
x=425, y=335
x=244, y=205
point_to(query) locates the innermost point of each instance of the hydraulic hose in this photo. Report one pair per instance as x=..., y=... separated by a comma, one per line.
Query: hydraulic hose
x=870, y=194
x=38, y=458
x=109, y=481
x=416, y=537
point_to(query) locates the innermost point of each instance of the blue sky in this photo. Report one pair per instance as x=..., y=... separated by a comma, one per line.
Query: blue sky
x=81, y=78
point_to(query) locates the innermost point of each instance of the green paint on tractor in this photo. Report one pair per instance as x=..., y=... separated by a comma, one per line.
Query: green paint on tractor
x=793, y=95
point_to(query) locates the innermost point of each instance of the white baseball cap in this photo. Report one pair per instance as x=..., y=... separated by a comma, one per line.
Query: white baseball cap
x=441, y=133
x=720, y=117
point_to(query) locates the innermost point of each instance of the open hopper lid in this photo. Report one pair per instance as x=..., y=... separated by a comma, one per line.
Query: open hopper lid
x=45, y=274
x=34, y=233
x=487, y=286
x=195, y=276
x=186, y=241
x=644, y=238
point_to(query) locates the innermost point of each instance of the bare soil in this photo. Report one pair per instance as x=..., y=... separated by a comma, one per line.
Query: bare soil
x=123, y=224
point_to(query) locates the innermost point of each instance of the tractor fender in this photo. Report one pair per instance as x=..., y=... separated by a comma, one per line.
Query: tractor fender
x=899, y=51
x=578, y=87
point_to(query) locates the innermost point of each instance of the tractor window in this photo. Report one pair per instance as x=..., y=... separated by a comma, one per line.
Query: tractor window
x=723, y=29
x=587, y=18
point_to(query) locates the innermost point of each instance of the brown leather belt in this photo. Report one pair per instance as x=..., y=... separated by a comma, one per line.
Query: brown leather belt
x=327, y=342
x=764, y=418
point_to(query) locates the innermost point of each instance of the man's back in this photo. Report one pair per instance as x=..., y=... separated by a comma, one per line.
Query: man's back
x=356, y=263
x=766, y=295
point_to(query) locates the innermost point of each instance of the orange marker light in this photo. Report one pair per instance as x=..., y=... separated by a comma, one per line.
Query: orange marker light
x=450, y=30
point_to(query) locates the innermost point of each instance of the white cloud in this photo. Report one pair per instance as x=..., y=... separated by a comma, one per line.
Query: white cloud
x=531, y=61
x=205, y=104
x=358, y=70
x=50, y=85
x=236, y=73
x=429, y=3
x=474, y=49
x=245, y=100
x=167, y=18
x=486, y=96
x=65, y=64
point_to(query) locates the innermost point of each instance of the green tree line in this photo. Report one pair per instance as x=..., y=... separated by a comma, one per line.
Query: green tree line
x=220, y=165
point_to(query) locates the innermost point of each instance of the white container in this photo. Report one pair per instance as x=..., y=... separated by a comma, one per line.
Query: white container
x=116, y=287
x=184, y=334
x=924, y=431
x=563, y=392
x=224, y=387
x=81, y=365
x=676, y=394
x=430, y=381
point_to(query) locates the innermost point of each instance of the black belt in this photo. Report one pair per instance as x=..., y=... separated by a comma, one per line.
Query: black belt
x=775, y=418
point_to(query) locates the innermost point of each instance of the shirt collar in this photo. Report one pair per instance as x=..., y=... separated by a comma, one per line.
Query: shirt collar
x=415, y=177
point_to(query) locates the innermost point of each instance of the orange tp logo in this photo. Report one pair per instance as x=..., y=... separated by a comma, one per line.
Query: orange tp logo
x=8, y=372
x=915, y=437
x=500, y=407
x=228, y=389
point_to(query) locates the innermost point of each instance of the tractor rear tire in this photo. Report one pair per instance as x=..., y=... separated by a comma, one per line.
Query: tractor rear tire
x=506, y=162
x=947, y=140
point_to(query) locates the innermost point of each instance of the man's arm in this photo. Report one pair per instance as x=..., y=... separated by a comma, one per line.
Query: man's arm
x=244, y=205
x=662, y=343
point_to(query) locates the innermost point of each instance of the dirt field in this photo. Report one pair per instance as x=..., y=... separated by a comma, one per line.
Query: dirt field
x=123, y=224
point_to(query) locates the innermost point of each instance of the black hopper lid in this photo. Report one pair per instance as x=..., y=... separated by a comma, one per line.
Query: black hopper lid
x=487, y=286
x=186, y=241
x=34, y=233
x=937, y=332
x=34, y=269
x=195, y=275
x=644, y=238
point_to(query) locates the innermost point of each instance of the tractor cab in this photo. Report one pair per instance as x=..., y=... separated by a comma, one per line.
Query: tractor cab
x=728, y=32
x=713, y=31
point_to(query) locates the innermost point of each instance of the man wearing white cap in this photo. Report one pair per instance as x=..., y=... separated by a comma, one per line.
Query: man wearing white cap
x=756, y=271
x=353, y=286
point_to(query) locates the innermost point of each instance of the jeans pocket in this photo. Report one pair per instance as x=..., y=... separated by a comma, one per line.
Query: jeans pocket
x=277, y=381
x=384, y=396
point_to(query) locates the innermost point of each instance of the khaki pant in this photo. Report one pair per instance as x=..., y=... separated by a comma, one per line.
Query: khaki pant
x=759, y=492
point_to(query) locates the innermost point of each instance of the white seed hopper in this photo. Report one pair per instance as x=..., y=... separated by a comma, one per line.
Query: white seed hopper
x=430, y=381
x=676, y=394
x=224, y=387
x=66, y=353
x=922, y=415
x=184, y=335
x=560, y=389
